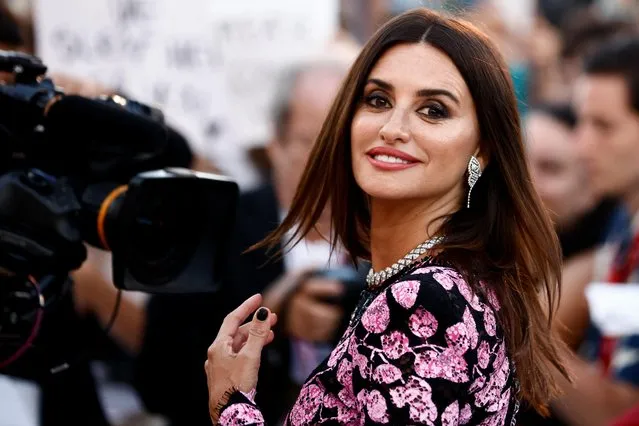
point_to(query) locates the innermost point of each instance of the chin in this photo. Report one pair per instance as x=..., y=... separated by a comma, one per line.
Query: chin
x=386, y=188
x=607, y=189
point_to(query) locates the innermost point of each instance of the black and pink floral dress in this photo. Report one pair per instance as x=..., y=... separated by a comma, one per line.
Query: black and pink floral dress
x=424, y=349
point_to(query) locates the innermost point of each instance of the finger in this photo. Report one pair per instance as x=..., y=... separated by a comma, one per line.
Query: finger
x=320, y=287
x=242, y=334
x=240, y=337
x=233, y=320
x=269, y=339
x=259, y=332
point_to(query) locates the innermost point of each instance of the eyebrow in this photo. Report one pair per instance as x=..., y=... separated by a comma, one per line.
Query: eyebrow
x=421, y=93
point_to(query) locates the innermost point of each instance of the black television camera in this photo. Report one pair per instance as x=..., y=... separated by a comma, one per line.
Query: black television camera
x=75, y=170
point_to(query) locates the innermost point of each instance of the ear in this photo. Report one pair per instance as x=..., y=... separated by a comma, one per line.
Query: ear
x=482, y=156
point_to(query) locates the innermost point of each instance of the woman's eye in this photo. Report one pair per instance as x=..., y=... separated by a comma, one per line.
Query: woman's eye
x=377, y=101
x=435, y=110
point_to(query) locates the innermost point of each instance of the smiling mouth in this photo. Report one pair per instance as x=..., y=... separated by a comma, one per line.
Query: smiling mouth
x=390, y=163
x=382, y=158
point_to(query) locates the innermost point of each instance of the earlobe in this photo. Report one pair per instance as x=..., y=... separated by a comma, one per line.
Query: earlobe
x=480, y=155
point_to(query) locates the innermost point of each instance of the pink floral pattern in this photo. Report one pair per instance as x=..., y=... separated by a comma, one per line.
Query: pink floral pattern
x=307, y=404
x=422, y=323
x=375, y=404
x=426, y=349
x=377, y=316
x=395, y=344
x=241, y=414
x=405, y=293
x=387, y=373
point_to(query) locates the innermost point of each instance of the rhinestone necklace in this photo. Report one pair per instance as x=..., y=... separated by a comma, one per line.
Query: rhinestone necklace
x=376, y=279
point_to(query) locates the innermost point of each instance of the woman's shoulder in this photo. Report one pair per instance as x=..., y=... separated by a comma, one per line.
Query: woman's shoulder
x=441, y=280
x=444, y=293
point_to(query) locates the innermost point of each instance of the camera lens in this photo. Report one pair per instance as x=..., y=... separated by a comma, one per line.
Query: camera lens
x=164, y=235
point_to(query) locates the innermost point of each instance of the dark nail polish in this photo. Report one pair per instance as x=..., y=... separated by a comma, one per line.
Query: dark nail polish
x=262, y=314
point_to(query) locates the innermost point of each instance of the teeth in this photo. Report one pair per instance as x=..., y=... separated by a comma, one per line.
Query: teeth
x=389, y=159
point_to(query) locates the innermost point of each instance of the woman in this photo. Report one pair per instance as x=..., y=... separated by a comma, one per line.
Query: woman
x=420, y=154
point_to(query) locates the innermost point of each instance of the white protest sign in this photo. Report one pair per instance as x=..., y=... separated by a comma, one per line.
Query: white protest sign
x=208, y=64
x=614, y=308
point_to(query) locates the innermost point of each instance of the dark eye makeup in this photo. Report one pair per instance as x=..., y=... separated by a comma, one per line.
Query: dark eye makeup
x=377, y=100
x=432, y=109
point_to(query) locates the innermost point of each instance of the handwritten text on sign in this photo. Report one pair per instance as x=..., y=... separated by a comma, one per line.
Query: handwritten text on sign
x=210, y=64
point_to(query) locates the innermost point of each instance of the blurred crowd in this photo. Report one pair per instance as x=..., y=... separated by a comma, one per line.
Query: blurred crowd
x=575, y=67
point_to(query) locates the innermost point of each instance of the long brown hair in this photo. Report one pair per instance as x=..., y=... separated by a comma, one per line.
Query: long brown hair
x=505, y=237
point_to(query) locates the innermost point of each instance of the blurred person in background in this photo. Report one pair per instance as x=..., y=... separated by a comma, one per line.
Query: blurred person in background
x=583, y=33
x=557, y=172
x=561, y=179
x=559, y=51
x=582, y=219
x=607, y=104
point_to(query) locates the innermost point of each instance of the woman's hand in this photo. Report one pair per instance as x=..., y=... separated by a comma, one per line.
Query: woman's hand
x=234, y=357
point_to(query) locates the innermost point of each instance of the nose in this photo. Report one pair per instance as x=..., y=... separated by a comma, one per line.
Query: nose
x=395, y=129
x=586, y=141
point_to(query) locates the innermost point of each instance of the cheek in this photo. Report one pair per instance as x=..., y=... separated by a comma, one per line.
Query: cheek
x=629, y=145
x=562, y=187
x=615, y=157
x=364, y=134
x=448, y=148
x=556, y=193
x=364, y=131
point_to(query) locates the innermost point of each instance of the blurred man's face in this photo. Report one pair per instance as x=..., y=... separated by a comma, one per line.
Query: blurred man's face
x=312, y=98
x=557, y=172
x=608, y=134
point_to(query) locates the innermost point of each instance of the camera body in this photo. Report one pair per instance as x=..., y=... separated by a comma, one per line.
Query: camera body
x=103, y=172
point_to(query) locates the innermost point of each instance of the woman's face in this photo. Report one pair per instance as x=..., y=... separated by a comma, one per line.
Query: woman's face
x=415, y=128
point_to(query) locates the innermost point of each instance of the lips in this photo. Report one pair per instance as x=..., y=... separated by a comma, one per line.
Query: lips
x=392, y=153
x=390, y=160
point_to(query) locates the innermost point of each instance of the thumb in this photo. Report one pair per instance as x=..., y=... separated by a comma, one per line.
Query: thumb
x=258, y=333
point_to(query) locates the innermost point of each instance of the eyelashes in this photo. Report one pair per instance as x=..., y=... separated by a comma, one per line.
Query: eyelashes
x=433, y=110
x=377, y=101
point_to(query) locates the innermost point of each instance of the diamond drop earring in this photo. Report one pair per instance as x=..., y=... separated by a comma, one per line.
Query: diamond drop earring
x=474, y=172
